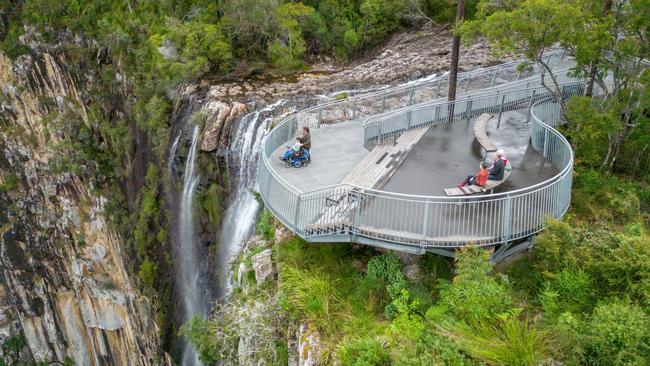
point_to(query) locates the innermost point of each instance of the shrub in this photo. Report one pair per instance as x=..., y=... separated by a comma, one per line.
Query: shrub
x=265, y=225
x=8, y=183
x=200, y=333
x=617, y=334
x=573, y=289
x=508, y=342
x=147, y=272
x=474, y=295
x=386, y=270
x=364, y=352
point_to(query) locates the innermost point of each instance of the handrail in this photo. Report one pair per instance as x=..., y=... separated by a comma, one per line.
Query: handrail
x=391, y=91
x=336, y=209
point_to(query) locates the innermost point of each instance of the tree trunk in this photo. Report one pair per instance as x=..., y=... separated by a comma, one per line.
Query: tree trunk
x=453, y=67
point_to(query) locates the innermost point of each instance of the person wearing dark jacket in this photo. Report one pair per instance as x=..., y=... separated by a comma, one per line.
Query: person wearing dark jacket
x=499, y=167
x=305, y=140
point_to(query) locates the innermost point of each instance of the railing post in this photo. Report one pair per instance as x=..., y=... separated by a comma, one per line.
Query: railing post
x=409, y=113
x=383, y=102
x=437, y=114
x=437, y=88
x=530, y=106
x=469, y=80
x=320, y=117
x=468, y=109
x=494, y=76
x=296, y=214
x=545, y=142
x=425, y=222
x=354, y=225
x=503, y=99
x=354, y=111
x=506, y=219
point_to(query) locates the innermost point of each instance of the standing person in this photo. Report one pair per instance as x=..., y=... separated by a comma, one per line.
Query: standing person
x=305, y=140
x=498, y=167
x=479, y=179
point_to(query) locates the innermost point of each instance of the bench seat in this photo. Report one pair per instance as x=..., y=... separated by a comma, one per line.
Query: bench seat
x=473, y=189
x=481, y=135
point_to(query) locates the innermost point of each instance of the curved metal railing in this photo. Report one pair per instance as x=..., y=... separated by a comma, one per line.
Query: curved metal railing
x=352, y=213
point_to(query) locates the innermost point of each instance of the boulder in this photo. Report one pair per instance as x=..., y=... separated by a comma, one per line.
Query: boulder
x=263, y=266
x=412, y=271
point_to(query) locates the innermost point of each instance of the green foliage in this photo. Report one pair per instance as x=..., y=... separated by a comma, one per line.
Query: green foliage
x=199, y=332
x=8, y=183
x=212, y=203
x=364, y=352
x=12, y=348
x=285, y=51
x=413, y=341
x=474, y=295
x=606, y=39
x=147, y=272
x=265, y=225
x=508, y=342
x=589, y=129
x=386, y=269
x=570, y=290
x=617, y=334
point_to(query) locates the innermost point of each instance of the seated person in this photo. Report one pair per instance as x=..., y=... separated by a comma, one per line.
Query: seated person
x=296, y=150
x=479, y=179
x=498, y=168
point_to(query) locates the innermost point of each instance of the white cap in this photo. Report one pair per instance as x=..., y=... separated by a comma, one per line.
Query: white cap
x=500, y=152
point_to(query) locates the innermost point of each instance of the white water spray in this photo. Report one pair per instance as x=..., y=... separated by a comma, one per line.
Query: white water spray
x=240, y=216
x=188, y=263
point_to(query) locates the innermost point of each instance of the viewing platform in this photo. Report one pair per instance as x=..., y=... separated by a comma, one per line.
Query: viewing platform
x=381, y=162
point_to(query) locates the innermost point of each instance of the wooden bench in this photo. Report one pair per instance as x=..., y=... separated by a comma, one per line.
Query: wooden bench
x=473, y=189
x=481, y=136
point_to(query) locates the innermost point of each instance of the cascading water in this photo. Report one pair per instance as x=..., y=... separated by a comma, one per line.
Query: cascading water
x=240, y=216
x=188, y=260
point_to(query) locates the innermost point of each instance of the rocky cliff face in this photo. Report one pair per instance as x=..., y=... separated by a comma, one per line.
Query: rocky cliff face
x=64, y=288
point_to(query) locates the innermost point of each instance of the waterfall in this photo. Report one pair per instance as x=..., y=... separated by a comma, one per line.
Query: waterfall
x=240, y=216
x=194, y=295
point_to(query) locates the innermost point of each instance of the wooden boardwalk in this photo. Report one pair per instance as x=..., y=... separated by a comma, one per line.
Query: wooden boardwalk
x=371, y=173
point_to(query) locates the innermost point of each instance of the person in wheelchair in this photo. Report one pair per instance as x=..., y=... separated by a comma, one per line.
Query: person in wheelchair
x=294, y=151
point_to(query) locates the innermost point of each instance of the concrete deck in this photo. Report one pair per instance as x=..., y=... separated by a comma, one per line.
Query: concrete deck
x=336, y=150
x=443, y=157
x=447, y=154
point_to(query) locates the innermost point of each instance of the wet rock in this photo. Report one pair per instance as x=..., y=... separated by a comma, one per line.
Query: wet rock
x=168, y=50
x=220, y=117
x=282, y=234
x=263, y=266
x=241, y=272
x=412, y=271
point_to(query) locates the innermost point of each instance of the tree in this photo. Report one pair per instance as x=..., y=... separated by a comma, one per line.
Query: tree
x=607, y=39
x=455, y=50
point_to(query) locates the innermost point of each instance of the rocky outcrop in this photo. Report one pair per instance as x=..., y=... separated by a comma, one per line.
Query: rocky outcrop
x=220, y=118
x=407, y=56
x=263, y=266
x=309, y=345
x=64, y=285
